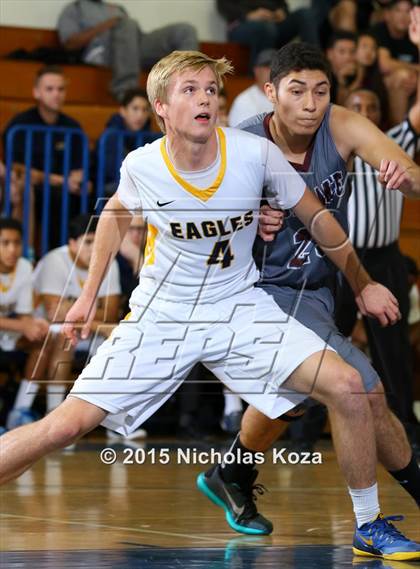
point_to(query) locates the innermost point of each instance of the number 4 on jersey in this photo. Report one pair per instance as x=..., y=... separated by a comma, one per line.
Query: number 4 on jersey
x=222, y=253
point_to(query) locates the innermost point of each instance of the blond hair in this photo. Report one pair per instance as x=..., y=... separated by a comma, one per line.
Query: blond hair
x=178, y=62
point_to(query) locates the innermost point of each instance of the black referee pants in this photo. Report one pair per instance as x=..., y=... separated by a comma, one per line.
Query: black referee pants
x=390, y=347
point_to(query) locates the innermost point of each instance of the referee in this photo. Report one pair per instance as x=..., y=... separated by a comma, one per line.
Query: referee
x=374, y=221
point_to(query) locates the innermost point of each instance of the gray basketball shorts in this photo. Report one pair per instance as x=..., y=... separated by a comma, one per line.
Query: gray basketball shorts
x=315, y=310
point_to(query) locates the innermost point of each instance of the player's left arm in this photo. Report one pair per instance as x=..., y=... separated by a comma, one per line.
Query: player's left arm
x=397, y=171
x=373, y=299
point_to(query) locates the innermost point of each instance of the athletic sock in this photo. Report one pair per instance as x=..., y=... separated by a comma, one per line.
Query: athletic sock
x=238, y=471
x=56, y=394
x=233, y=403
x=365, y=504
x=409, y=478
x=26, y=394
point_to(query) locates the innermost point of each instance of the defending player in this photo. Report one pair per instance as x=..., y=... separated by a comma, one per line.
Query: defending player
x=200, y=189
x=319, y=140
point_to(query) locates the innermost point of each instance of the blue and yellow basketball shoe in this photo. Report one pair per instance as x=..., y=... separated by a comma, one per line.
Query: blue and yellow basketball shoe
x=380, y=538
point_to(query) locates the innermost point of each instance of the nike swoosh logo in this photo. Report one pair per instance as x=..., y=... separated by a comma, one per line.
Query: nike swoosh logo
x=164, y=203
x=238, y=511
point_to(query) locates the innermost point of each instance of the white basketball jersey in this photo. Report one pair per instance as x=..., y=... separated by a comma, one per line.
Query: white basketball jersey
x=199, y=245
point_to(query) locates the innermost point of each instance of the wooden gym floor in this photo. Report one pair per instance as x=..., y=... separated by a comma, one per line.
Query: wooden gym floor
x=72, y=510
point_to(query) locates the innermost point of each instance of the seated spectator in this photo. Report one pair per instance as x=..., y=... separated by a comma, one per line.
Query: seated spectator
x=108, y=36
x=133, y=118
x=398, y=56
x=345, y=15
x=253, y=100
x=371, y=77
x=57, y=281
x=346, y=76
x=265, y=24
x=19, y=330
x=49, y=93
x=16, y=194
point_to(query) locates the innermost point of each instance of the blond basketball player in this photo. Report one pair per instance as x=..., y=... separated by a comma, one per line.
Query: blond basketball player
x=199, y=189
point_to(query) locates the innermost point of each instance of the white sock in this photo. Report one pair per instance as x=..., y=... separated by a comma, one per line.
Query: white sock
x=26, y=394
x=56, y=394
x=233, y=403
x=365, y=504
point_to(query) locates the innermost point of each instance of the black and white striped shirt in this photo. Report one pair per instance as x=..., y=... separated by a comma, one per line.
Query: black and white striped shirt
x=374, y=213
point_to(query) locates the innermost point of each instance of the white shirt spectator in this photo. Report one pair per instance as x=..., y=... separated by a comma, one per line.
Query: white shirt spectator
x=250, y=102
x=15, y=298
x=57, y=274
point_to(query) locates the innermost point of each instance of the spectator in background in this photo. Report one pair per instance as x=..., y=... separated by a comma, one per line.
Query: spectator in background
x=133, y=118
x=253, y=100
x=19, y=330
x=344, y=15
x=346, y=76
x=106, y=35
x=16, y=193
x=398, y=57
x=58, y=281
x=49, y=93
x=265, y=24
x=371, y=77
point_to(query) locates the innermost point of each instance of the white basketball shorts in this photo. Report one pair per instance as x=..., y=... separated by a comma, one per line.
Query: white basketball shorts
x=246, y=340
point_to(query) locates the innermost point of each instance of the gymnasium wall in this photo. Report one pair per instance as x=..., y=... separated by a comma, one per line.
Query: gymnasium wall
x=150, y=14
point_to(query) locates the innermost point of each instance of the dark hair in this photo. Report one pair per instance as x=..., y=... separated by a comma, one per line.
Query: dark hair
x=297, y=56
x=367, y=33
x=363, y=90
x=48, y=70
x=339, y=35
x=82, y=224
x=132, y=94
x=10, y=223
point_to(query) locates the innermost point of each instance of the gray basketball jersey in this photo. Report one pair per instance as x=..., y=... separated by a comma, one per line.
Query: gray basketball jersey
x=293, y=258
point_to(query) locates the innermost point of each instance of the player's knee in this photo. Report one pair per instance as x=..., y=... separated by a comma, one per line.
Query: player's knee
x=347, y=388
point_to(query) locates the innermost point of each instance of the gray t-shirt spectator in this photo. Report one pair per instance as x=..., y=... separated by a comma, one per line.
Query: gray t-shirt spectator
x=117, y=40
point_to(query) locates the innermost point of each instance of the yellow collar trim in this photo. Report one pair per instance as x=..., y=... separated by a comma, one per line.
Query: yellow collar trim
x=5, y=288
x=201, y=194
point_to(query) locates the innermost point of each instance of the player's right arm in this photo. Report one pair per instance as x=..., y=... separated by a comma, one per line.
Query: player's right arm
x=113, y=224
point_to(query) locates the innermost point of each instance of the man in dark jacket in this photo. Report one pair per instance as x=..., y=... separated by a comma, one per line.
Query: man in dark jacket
x=265, y=24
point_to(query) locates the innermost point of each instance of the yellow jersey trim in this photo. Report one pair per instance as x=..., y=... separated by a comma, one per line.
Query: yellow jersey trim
x=201, y=194
x=149, y=252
